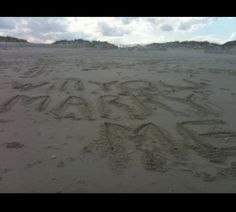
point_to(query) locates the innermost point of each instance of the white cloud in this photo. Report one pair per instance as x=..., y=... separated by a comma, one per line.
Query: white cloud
x=108, y=30
x=6, y=23
x=166, y=27
x=233, y=36
x=194, y=23
x=128, y=20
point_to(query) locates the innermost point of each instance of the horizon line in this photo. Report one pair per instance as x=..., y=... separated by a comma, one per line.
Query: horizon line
x=119, y=44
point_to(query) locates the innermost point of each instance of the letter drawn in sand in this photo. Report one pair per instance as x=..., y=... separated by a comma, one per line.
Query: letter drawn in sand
x=194, y=86
x=119, y=144
x=202, y=143
x=27, y=86
x=108, y=102
x=41, y=102
x=137, y=86
x=77, y=83
x=113, y=144
x=105, y=86
x=126, y=106
x=156, y=146
x=199, y=109
x=154, y=99
x=74, y=107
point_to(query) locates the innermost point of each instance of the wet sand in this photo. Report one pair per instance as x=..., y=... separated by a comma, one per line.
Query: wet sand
x=89, y=120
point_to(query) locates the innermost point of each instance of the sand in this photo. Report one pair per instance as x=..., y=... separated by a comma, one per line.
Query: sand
x=90, y=120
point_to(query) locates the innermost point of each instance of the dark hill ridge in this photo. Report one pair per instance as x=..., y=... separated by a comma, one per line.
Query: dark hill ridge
x=87, y=44
x=183, y=44
x=11, y=39
x=204, y=45
x=159, y=46
x=230, y=44
x=80, y=43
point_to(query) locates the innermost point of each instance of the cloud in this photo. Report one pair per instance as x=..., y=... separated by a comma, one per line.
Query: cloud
x=194, y=23
x=184, y=26
x=166, y=27
x=6, y=23
x=128, y=20
x=108, y=30
x=152, y=20
x=233, y=36
x=47, y=24
x=112, y=29
x=34, y=29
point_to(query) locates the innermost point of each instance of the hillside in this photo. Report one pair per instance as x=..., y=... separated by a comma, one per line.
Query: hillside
x=230, y=44
x=183, y=44
x=86, y=44
x=11, y=39
x=80, y=43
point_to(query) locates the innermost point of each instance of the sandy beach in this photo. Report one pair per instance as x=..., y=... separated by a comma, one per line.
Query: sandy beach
x=96, y=120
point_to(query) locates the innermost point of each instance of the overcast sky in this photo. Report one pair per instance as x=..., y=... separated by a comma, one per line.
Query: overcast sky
x=120, y=30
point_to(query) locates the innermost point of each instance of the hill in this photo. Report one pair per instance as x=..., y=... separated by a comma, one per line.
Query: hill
x=86, y=44
x=11, y=39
